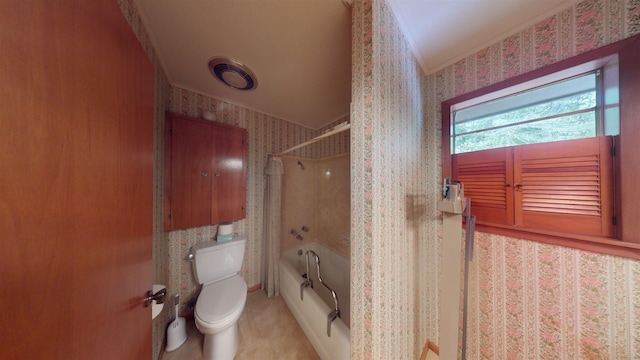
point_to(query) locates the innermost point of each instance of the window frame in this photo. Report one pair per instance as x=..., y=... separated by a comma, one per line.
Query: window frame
x=627, y=243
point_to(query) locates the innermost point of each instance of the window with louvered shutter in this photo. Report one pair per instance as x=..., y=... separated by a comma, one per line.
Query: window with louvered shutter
x=565, y=186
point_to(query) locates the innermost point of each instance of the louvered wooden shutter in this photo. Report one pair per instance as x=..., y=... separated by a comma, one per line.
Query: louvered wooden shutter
x=565, y=186
x=487, y=176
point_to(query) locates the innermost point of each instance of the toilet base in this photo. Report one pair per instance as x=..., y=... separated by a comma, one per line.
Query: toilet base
x=221, y=346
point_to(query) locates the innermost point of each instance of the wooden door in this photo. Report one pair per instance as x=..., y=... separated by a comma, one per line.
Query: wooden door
x=76, y=93
x=191, y=172
x=230, y=167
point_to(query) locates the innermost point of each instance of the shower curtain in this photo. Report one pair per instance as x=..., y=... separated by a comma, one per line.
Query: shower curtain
x=271, y=232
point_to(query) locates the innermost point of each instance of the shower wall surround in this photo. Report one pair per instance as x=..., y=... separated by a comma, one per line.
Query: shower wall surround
x=333, y=180
x=528, y=299
x=299, y=199
x=319, y=198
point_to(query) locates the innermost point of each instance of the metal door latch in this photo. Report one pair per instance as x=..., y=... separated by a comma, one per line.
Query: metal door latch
x=158, y=297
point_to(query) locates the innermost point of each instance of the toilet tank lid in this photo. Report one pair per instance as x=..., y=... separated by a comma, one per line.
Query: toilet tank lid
x=214, y=244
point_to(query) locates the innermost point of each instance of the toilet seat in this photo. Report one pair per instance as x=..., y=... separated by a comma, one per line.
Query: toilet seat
x=220, y=304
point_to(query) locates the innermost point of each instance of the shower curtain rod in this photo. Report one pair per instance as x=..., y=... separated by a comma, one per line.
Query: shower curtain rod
x=336, y=129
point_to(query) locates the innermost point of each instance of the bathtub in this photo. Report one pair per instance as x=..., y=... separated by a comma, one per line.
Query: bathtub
x=311, y=313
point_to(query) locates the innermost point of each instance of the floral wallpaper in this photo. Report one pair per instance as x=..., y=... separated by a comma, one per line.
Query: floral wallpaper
x=392, y=248
x=530, y=300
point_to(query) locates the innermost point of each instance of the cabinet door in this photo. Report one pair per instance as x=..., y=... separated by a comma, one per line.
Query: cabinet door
x=191, y=173
x=229, y=181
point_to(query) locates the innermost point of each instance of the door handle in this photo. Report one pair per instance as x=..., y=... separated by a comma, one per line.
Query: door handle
x=158, y=297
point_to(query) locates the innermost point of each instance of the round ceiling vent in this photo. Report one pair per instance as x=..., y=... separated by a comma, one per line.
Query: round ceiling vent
x=233, y=73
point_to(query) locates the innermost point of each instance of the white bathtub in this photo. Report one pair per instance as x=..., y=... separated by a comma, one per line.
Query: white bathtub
x=311, y=313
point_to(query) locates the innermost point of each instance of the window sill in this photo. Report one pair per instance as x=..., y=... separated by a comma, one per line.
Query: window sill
x=593, y=244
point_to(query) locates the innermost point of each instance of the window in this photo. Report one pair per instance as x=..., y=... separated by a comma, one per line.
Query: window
x=532, y=160
x=548, y=155
x=563, y=110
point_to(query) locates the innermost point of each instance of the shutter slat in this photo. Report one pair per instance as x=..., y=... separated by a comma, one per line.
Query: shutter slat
x=561, y=160
x=563, y=188
x=552, y=176
x=563, y=211
x=565, y=198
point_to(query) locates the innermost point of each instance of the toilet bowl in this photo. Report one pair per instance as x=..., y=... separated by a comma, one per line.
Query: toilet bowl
x=218, y=309
x=223, y=296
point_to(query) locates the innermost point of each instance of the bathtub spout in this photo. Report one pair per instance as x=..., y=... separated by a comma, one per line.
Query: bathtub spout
x=332, y=316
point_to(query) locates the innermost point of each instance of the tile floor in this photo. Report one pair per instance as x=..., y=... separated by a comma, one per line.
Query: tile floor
x=267, y=330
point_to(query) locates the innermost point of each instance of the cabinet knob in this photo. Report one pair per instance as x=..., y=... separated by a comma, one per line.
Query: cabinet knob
x=204, y=173
x=217, y=174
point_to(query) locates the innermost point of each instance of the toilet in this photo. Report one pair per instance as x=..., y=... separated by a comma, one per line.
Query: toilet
x=224, y=293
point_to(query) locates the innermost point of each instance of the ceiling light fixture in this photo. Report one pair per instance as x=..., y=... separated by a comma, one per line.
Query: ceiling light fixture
x=233, y=73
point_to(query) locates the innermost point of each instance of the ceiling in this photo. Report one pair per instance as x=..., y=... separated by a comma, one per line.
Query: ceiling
x=300, y=50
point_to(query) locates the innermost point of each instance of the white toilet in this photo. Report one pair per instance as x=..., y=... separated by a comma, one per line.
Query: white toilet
x=224, y=293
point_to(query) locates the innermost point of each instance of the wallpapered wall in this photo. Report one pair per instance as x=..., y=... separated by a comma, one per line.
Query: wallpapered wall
x=393, y=232
x=530, y=300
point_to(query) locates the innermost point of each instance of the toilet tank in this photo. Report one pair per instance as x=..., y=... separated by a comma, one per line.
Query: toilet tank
x=213, y=261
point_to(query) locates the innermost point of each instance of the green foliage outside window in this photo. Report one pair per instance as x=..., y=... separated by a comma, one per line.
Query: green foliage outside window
x=566, y=118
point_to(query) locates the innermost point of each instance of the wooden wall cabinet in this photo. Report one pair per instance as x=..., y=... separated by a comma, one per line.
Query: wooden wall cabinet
x=205, y=172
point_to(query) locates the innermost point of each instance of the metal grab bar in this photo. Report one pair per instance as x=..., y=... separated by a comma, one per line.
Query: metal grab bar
x=309, y=283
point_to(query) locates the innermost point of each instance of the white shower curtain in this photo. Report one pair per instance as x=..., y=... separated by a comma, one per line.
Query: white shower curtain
x=271, y=231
